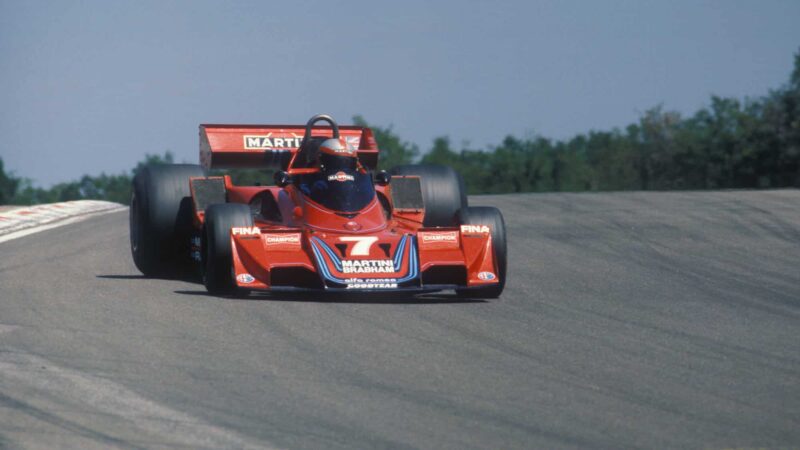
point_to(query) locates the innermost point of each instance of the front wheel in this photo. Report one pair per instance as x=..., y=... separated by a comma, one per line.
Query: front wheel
x=216, y=242
x=487, y=215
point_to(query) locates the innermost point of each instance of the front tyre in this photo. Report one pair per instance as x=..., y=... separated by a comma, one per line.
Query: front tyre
x=487, y=215
x=216, y=242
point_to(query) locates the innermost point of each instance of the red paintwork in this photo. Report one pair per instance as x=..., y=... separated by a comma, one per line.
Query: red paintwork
x=363, y=237
x=227, y=145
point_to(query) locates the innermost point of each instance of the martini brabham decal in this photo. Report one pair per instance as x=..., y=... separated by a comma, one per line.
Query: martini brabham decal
x=329, y=262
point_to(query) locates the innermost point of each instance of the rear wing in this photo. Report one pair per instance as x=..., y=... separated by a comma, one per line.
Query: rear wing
x=264, y=146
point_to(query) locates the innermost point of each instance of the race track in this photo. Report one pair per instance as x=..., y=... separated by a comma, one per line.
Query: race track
x=630, y=320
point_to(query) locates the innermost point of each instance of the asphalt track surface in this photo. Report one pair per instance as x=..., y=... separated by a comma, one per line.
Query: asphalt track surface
x=630, y=320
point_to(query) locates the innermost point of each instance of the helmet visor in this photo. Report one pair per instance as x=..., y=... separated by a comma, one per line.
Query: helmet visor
x=334, y=163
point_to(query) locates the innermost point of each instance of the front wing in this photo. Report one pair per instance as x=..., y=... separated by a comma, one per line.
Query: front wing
x=426, y=261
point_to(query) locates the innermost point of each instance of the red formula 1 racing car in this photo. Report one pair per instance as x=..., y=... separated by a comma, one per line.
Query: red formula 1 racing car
x=330, y=223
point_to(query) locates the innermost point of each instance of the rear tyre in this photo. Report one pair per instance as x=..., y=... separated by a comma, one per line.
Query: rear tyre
x=160, y=219
x=216, y=242
x=443, y=192
x=487, y=215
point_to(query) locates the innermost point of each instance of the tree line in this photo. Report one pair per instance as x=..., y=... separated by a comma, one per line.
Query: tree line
x=731, y=143
x=115, y=188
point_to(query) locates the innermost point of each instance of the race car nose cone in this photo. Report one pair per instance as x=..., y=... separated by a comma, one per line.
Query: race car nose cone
x=352, y=226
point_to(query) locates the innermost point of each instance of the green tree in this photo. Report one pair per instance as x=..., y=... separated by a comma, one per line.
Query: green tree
x=115, y=188
x=731, y=143
x=8, y=185
x=152, y=160
x=393, y=151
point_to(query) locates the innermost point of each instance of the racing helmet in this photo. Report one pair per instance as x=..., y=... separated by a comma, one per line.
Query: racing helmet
x=334, y=155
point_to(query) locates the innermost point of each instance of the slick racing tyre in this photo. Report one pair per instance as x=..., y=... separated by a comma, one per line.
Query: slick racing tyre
x=487, y=215
x=443, y=192
x=216, y=242
x=160, y=219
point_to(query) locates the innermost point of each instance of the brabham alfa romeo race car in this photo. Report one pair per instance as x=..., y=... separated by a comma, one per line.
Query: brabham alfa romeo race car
x=331, y=222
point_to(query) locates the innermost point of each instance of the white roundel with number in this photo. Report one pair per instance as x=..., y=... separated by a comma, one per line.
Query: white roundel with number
x=486, y=276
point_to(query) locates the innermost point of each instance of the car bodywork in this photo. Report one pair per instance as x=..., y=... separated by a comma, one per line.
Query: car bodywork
x=298, y=243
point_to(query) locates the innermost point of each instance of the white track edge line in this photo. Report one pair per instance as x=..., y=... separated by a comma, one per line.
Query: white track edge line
x=59, y=223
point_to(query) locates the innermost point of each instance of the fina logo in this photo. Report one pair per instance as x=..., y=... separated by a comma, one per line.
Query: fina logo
x=486, y=276
x=246, y=231
x=474, y=229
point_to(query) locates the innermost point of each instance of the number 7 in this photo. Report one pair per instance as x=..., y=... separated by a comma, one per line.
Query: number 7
x=362, y=244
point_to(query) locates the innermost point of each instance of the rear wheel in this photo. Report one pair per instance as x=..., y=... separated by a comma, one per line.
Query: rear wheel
x=443, y=192
x=487, y=215
x=160, y=219
x=216, y=242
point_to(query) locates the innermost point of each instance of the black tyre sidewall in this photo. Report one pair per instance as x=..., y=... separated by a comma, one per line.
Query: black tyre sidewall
x=161, y=218
x=443, y=192
x=216, y=242
x=142, y=248
x=487, y=215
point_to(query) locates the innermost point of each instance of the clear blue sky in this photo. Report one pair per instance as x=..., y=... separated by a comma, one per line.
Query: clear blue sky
x=91, y=86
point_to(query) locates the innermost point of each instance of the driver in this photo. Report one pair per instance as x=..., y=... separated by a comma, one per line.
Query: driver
x=337, y=163
x=335, y=156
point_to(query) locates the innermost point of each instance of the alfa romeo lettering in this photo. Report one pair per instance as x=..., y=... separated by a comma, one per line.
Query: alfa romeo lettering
x=371, y=283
